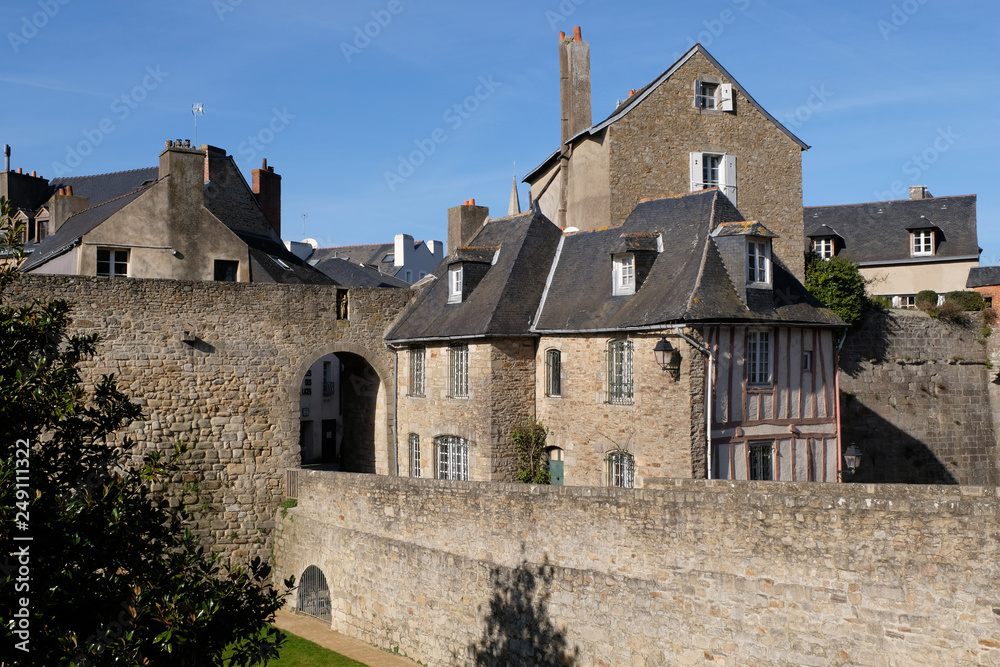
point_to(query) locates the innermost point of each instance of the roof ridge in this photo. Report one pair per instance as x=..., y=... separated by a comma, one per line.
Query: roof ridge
x=110, y=173
x=890, y=201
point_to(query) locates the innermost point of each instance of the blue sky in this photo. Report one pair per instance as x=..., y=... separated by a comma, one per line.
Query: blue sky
x=893, y=93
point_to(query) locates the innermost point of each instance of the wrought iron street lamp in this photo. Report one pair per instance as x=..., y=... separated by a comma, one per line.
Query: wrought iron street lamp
x=667, y=357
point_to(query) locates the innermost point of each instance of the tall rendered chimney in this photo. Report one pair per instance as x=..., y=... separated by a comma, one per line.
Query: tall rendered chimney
x=6, y=157
x=574, y=84
x=267, y=187
x=464, y=222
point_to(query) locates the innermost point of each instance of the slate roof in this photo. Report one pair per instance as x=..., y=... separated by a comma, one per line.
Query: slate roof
x=687, y=282
x=633, y=101
x=371, y=254
x=879, y=232
x=351, y=274
x=264, y=269
x=983, y=276
x=105, y=187
x=504, y=300
x=64, y=239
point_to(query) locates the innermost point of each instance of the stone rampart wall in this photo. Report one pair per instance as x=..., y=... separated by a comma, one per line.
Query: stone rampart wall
x=693, y=572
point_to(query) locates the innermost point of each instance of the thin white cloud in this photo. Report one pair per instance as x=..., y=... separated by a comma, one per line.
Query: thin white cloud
x=47, y=85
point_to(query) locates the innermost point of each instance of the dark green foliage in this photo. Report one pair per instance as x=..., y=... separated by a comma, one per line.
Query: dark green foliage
x=110, y=575
x=926, y=299
x=880, y=301
x=533, y=461
x=966, y=299
x=839, y=286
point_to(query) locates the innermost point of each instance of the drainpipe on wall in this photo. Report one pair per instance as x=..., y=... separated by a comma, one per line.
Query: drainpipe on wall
x=836, y=386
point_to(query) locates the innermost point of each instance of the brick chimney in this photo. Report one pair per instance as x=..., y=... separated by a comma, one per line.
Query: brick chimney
x=464, y=223
x=920, y=192
x=574, y=84
x=267, y=187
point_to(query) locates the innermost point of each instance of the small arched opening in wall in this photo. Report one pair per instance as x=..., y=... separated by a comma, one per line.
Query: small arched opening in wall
x=314, y=594
x=345, y=413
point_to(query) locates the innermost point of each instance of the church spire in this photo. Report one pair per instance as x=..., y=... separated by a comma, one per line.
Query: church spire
x=515, y=203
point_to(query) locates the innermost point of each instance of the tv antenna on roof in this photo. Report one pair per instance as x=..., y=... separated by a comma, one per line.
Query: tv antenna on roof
x=198, y=109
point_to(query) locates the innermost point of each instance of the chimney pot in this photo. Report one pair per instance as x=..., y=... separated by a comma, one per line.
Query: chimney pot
x=187, y=143
x=263, y=163
x=19, y=170
x=69, y=190
x=562, y=35
x=577, y=34
x=33, y=173
x=472, y=202
x=169, y=144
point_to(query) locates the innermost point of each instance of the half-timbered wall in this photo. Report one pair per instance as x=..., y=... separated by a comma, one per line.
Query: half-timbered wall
x=796, y=412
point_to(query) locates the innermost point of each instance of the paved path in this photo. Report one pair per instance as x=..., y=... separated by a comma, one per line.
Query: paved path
x=319, y=632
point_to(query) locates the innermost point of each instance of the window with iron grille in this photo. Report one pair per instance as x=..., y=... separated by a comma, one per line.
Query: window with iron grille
x=452, y=457
x=620, y=372
x=621, y=470
x=758, y=358
x=414, y=455
x=459, y=363
x=112, y=262
x=418, y=356
x=553, y=371
x=761, y=455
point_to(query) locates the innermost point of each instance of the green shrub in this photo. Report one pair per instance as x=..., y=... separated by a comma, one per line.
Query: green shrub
x=533, y=460
x=966, y=299
x=839, y=286
x=880, y=301
x=926, y=299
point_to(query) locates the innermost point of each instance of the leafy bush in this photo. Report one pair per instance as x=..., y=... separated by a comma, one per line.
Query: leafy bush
x=880, y=301
x=949, y=311
x=839, y=286
x=115, y=577
x=533, y=461
x=926, y=299
x=966, y=299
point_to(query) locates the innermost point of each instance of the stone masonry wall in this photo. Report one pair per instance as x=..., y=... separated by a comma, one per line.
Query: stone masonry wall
x=664, y=427
x=692, y=572
x=651, y=145
x=232, y=394
x=916, y=397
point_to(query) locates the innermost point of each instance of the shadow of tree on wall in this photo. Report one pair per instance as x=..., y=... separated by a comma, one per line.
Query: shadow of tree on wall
x=518, y=628
x=890, y=455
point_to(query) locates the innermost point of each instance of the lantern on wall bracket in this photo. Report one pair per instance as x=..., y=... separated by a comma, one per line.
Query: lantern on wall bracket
x=668, y=358
x=852, y=458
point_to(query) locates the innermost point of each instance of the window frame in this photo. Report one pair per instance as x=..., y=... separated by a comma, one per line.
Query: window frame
x=413, y=443
x=727, y=174
x=458, y=371
x=823, y=247
x=623, y=274
x=922, y=243
x=455, y=283
x=762, y=447
x=451, y=458
x=621, y=378
x=707, y=96
x=418, y=371
x=758, y=250
x=759, y=368
x=224, y=266
x=113, y=262
x=621, y=469
x=553, y=373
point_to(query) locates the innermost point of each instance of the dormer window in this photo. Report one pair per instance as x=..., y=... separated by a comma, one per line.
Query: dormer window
x=455, y=283
x=922, y=243
x=823, y=247
x=759, y=262
x=623, y=274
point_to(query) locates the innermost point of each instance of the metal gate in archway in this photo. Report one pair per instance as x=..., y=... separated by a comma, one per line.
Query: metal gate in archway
x=314, y=594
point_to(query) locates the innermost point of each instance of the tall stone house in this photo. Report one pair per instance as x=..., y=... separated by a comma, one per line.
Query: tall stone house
x=694, y=127
x=192, y=218
x=902, y=247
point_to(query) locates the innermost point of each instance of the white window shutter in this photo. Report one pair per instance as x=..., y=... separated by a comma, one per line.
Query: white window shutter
x=696, y=175
x=726, y=97
x=729, y=184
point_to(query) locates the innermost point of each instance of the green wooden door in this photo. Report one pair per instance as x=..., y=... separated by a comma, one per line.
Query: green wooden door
x=555, y=472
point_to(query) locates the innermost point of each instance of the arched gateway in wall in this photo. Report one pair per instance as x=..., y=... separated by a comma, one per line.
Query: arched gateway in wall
x=365, y=428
